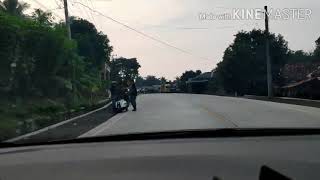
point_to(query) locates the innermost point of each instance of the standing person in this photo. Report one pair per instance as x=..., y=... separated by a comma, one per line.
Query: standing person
x=132, y=94
x=124, y=94
x=114, y=89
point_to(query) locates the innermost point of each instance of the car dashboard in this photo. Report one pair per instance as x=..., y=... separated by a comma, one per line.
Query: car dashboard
x=247, y=158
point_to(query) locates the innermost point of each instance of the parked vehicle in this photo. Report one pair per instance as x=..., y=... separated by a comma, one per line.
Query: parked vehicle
x=121, y=105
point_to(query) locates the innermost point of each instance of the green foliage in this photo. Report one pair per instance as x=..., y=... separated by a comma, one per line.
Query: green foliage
x=317, y=50
x=92, y=45
x=139, y=81
x=46, y=62
x=123, y=69
x=148, y=81
x=8, y=40
x=7, y=128
x=13, y=7
x=46, y=107
x=299, y=57
x=38, y=62
x=185, y=77
x=163, y=80
x=44, y=18
x=40, y=54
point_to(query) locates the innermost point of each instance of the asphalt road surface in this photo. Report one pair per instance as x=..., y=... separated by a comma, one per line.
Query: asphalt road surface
x=165, y=112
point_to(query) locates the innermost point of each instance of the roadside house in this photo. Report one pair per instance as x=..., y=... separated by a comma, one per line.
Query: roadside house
x=199, y=84
x=303, y=81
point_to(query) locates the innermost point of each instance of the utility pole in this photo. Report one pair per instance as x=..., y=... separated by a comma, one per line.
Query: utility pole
x=66, y=13
x=269, y=71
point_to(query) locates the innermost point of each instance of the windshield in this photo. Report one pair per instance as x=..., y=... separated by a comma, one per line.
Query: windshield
x=83, y=68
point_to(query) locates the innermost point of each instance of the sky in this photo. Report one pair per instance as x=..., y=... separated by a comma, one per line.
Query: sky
x=197, y=43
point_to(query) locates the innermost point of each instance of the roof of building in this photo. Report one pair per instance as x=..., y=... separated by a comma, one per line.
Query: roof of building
x=315, y=73
x=292, y=85
x=296, y=72
x=204, y=77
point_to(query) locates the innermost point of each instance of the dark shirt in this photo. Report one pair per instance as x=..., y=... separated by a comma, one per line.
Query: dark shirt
x=133, y=90
x=115, y=92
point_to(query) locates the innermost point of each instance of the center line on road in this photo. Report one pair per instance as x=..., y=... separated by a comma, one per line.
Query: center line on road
x=218, y=116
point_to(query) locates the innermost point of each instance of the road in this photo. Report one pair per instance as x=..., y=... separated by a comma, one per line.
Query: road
x=165, y=112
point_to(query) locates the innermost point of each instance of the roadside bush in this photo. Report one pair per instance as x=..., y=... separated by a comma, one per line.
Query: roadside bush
x=8, y=128
x=42, y=75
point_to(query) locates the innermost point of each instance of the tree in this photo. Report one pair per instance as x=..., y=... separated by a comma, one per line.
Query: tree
x=95, y=50
x=13, y=7
x=317, y=50
x=299, y=57
x=163, y=80
x=123, y=69
x=189, y=74
x=8, y=40
x=139, y=81
x=149, y=81
x=43, y=17
x=92, y=45
x=152, y=80
x=38, y=60
x=45, y=61
x=35, y=59
x=41, y=69
x=243, y=68
x=185, y=77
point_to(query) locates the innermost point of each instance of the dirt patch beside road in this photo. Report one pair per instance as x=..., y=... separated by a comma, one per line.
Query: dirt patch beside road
x=71, y=129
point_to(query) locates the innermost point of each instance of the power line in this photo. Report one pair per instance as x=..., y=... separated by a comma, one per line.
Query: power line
x=43, y=6
x=83, y=11
x=79, y=8
x=92, y=6
x=198, y=27
x=90, y=12
x=57, y=3
x=86, y=12
x=72, y=11
x=142, y=33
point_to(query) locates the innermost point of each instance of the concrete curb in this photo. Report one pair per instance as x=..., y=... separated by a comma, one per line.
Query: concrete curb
x=55, y=125
x=287, y=100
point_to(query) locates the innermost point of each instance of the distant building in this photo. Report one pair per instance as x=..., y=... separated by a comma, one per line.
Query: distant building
x=199, y=84
x=156, y=88
x=302, y=81
x=165, y=88
x=150, y=89
x=295, y=72
x=308, y=88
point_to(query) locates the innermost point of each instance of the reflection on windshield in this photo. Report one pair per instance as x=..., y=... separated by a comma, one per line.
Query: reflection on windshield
x=81, y=69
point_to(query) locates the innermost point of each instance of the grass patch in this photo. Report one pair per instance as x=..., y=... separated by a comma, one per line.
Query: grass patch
x=21, y=118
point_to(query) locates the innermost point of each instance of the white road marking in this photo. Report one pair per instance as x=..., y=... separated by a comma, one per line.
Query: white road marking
x=296, y=109
x=103, y=126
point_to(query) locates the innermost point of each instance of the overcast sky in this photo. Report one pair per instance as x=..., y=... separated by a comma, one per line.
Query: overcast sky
x=177, y=22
